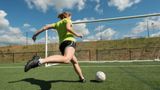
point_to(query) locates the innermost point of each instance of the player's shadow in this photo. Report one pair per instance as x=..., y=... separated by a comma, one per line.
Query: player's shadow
x=44, y=85
x=95, y=81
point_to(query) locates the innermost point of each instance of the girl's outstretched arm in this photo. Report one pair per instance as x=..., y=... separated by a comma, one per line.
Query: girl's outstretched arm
x=42, y=30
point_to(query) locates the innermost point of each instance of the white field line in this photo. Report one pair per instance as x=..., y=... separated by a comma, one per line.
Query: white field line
x=114, y=66
x=87, y=66
x=156, y=60
x=113, y=61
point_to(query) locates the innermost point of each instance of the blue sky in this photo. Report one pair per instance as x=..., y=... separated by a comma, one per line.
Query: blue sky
x=21, y=17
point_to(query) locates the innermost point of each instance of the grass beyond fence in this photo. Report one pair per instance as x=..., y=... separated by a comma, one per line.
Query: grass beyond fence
x=87, y=55
x=125, y=49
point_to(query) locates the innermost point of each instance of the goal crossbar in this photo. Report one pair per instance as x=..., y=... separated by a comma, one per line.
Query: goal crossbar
x=117, y=18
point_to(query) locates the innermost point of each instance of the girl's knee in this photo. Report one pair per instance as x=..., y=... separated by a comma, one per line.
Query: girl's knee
x=67, y=60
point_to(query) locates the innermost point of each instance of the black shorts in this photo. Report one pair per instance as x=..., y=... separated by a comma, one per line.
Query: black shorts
x=65, y=44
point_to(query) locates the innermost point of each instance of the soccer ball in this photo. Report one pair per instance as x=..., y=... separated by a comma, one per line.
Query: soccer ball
x=100, y=76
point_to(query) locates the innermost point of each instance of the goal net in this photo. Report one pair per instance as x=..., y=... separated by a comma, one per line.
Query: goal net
x=128, y=38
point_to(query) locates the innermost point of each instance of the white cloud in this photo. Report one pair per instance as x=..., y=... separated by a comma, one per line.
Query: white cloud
x=97, y=8
x=51, y=39
x=9, y=34
x=81, y=28
x=122, y=4
x=59, y=5
x=3, y=22
x=62, y=4
x=39, y=4
x=81, y=4
x=91, y=38
x=152, y=24
x=99, y=28
x=155, y=34
x=155, y=26
x=101, y=33
x=26, y=25
x=106, y=34
x=140, y=27
x=28, y=28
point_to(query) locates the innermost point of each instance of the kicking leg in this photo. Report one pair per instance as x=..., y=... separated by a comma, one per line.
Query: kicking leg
x=68, y=55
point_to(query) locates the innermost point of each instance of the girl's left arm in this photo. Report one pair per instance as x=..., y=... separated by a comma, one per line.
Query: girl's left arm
x=69, y=29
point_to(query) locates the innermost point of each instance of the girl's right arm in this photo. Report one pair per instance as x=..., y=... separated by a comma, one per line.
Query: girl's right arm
x=42, y=30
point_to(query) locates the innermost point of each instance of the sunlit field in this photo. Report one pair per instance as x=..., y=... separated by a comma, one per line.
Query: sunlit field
x=120, y=76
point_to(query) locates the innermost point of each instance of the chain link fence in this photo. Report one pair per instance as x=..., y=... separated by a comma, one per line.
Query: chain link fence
x=149, y=53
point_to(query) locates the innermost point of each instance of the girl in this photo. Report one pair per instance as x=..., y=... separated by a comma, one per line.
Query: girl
x=67, y=45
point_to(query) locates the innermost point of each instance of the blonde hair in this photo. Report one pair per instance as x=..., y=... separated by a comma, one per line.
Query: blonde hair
x=64, y=15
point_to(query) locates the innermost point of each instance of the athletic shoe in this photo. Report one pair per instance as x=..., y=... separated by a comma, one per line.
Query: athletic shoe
x=82, y=80
x=32, y=63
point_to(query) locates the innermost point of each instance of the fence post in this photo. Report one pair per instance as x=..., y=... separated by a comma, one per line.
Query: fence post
x=130, y=55
x=89, y=55
x=13, y=57
x=97, y=55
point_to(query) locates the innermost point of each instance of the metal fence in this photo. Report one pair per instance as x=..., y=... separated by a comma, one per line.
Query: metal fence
x=149, y=53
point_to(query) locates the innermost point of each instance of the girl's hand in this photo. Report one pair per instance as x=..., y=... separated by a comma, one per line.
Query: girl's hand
x=80, y=35
x=35, y=35
x=34, y=38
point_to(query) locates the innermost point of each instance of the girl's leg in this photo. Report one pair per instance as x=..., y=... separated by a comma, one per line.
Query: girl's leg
x=35, y=62
x=77, y=67
x=68, y=55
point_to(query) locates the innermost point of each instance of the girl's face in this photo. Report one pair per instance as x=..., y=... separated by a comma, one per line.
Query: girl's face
x=70, y=17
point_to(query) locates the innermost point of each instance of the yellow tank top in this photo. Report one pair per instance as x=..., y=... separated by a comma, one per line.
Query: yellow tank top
x=63, y=34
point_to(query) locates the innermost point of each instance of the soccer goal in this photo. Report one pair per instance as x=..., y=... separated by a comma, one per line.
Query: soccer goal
x=127, y=38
